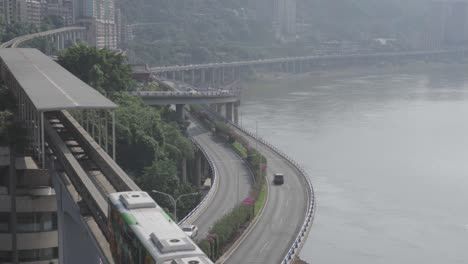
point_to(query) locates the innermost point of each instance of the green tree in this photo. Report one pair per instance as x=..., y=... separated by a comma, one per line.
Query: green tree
x=104, y=69
x=52, y=22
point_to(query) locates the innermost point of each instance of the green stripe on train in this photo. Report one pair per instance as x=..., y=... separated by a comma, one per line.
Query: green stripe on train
x=129, y=218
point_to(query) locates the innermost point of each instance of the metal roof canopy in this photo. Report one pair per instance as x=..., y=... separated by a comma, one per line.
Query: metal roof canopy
x=48, y=85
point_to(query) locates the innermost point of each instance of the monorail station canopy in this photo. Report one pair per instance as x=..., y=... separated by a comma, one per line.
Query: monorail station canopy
x=41, y=85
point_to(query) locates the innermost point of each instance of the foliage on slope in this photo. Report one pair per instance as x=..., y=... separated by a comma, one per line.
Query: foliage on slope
x=149, y=146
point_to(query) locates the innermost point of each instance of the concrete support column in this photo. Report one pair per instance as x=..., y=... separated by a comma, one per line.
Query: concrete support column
x=182, y=76
x=180, y=112
x=213, y=76
x=202, y=76
x=219, y=109
x=222, y=76
x=229, y=108
x=56, y=42
x=192, y=81
x=236, y=113
x=63, y=36
x=173, y=75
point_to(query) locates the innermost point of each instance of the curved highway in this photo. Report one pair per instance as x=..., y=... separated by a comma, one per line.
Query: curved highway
x=233, y=175
x=234, y=178
x=282, y=217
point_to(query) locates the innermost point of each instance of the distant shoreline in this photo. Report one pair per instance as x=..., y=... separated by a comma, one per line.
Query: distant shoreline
x=358, y=70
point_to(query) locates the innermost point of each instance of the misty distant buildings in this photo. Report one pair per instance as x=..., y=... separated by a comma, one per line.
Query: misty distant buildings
x=101, y=16
x=280, y=14
x=34, y=11
x=284, y=19
x=446, y=25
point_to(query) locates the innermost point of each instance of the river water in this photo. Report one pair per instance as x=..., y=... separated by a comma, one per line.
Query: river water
x=387, y=152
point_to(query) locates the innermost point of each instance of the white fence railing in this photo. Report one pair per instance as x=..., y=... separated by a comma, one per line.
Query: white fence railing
x=190, y=217
x=186, y=94
x=304, y=231
x=309, y=217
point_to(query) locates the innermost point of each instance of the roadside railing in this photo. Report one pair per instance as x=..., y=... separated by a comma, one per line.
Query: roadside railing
x=186, y=94
x=305, y=228
x=304, y=231
x=211, y=193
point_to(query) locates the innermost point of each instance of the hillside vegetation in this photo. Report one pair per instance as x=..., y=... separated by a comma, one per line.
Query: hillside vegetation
x=200, y=31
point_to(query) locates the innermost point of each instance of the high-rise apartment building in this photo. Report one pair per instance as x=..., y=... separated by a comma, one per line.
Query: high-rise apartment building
x=30, y=11
x=446, y=24
x=61, y=8
x=285, y=19
x=100, y=18
x=28, y=213
x=281, y=14
x=8, y=10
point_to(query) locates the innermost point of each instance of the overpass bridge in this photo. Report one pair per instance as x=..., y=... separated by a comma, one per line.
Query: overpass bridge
x=220, y=99
x=219, y=74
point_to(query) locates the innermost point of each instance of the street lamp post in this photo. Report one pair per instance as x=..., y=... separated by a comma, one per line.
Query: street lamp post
x=174, y=201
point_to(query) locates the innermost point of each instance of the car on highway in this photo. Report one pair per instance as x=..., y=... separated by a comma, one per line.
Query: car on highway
x=278, y=178
x=190, y=230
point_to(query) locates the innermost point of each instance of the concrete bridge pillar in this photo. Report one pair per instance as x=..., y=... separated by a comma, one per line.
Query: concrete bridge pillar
x=219, y=109
x=192, y=80
x=180, y=112
x=222, y=76
x=213, y=77
x=57, y=42
x=236, y=112
x=173, y=75
x=229, y=108
x=63, y=37
x=202, y=73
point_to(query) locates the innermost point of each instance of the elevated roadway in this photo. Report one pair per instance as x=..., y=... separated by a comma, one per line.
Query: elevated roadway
x=186, y=97
x=318, y=58
x=60, y=33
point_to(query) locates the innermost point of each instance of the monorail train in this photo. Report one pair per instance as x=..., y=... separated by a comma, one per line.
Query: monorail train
x=141, y=232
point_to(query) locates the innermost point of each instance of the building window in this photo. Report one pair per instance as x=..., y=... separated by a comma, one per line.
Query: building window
x=5, y=256
x=36, y=222
x=4, y=222
x=38, y=254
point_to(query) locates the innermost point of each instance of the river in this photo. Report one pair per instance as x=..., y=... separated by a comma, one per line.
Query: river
x=387, y=152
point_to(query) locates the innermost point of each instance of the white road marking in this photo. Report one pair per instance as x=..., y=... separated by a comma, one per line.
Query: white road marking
x=264, y=246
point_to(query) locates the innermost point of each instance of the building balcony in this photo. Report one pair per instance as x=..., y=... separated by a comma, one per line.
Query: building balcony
x=30, y=241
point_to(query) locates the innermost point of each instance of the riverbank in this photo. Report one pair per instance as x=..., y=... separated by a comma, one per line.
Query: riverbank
x=386, y=69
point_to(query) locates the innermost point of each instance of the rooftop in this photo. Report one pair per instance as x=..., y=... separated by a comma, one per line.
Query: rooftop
x=48, y=85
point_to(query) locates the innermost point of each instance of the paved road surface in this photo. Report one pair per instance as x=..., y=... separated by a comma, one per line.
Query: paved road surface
x=234, y=179
x=283, y=216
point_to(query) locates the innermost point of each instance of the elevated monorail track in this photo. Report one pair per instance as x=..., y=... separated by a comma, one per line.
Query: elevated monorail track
x=91, y=171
